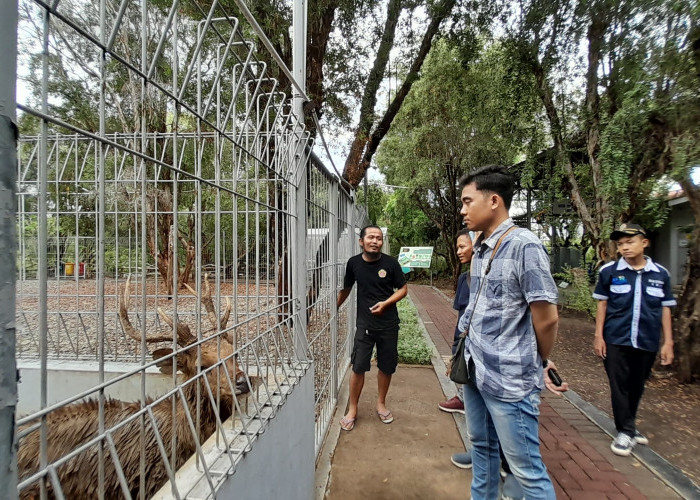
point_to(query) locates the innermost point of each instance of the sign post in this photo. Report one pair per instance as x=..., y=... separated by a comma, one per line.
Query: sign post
x=419, y=257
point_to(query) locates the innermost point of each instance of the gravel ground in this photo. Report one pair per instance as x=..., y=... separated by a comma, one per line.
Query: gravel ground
x=73, y=323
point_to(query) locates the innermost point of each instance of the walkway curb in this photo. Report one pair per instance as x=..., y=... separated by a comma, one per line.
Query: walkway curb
x=662, y=468
x=322, y=477
x=448, y=387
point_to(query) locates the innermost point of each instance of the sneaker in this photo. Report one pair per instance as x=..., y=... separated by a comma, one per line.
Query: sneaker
x=462, y=460
x=452, y=405
x=511, y=489
x=622, y=445
x=640, y=438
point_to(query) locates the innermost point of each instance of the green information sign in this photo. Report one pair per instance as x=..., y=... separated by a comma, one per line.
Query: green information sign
x=415, y=256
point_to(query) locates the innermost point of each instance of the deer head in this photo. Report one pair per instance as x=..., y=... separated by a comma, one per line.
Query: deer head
x=213, y=350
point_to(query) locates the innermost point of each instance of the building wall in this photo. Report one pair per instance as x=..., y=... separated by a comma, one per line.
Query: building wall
x=669, y=244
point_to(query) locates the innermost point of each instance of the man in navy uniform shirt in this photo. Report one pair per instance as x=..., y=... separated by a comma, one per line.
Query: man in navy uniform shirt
x=634, y=307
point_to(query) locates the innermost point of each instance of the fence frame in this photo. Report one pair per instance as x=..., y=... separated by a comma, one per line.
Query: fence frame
x=296, y=156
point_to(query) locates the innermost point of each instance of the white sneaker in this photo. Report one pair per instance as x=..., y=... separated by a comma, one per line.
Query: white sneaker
x=640, y=438
x=622, y=445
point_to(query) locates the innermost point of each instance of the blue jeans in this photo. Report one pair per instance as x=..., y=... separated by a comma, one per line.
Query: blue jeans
x=516, y=425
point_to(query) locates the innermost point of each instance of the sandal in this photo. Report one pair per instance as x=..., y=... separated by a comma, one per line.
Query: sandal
x=347, y=424
x=387, y=417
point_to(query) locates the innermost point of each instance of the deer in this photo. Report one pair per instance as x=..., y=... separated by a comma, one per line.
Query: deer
x=76, y=424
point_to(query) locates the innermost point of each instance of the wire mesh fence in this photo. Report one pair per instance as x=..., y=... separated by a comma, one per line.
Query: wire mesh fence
x=158, y=170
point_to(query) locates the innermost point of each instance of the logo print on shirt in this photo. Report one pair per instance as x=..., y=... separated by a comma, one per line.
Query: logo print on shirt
x=382, y=273
x=619, y=280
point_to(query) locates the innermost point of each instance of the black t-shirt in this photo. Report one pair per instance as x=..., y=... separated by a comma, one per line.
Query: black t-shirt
x=376, y=281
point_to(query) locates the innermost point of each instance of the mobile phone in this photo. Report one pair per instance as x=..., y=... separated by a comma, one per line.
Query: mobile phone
x=554, y=377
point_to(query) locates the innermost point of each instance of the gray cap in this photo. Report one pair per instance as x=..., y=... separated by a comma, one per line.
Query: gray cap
x=627, y=229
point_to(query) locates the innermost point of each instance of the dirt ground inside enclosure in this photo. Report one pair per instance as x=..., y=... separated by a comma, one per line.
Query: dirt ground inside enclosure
x=669, y=414
x=72, y=306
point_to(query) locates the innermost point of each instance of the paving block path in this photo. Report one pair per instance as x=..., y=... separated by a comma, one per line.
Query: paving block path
x=576, y=451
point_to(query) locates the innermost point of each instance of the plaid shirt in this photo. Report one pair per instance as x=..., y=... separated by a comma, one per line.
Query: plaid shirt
x=501, y=338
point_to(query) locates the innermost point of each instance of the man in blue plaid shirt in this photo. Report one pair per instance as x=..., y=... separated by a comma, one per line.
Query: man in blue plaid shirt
x=512, y=330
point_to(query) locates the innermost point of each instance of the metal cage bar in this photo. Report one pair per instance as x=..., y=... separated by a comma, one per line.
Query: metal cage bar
x=191, y=168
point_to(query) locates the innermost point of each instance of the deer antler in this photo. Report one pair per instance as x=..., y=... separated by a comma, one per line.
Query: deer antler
x=209, y=305
x=184, y=336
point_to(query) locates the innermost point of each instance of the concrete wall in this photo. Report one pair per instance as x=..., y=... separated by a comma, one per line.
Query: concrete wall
x=68, y=378
x=282, y=462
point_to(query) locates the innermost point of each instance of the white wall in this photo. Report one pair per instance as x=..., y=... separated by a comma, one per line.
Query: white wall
x=68, y=378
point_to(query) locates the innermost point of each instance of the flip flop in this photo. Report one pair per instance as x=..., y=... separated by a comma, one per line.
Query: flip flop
x=347, y=424
x=387, y=417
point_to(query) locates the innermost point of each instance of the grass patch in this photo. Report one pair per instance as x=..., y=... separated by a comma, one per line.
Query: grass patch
x=412, y=346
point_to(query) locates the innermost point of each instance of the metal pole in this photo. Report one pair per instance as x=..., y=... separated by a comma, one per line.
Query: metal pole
x=333, y=238
x=8, y=246
x=299, y=235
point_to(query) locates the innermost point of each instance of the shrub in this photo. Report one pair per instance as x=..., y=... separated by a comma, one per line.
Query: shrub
x=577, y=295
x=413, y=348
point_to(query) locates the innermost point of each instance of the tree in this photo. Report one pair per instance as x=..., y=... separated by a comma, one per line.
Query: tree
x=634, y=124
x=368, y=135
x=459, y=116
x=608, y=139
x=133, y=106
x=685, y=151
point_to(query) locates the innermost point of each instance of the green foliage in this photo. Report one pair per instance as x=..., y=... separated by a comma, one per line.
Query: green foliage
x=408, y=225
x=577, y=295
x=413, y=348
x=459, y=116
x=375, y=199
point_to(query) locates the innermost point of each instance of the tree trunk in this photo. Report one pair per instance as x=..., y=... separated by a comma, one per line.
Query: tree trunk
x=369, y=97
x=319, y=33
x=686, y=324
x=687, y=317
x=365, y=145
x=547, y=96
x=687, y=314
x=596, y=31
x=593, y=222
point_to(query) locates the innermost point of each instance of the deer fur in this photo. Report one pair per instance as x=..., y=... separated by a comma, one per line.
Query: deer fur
x=71, y=426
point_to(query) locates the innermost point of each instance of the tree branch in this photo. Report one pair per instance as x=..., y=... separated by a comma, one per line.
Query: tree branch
x=363, y=149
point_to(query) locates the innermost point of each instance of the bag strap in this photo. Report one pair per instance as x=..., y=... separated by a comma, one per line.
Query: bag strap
x=486, y=272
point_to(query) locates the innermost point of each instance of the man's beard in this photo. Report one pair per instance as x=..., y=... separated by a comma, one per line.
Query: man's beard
x=372, y=254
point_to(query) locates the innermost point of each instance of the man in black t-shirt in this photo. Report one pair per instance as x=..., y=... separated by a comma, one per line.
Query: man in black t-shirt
x=380, y=285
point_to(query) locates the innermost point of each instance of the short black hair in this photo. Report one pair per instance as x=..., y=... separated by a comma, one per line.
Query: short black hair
x=464, y=232
x=364, y=230
x=494, y=179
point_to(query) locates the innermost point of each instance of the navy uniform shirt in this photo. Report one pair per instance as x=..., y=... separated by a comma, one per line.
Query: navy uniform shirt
x=635, y=299
x=460, y=304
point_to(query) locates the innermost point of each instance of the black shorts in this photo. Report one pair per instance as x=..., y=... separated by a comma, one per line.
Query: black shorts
x=387, y=350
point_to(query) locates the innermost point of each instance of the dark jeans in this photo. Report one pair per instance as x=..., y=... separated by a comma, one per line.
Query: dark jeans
x=628, y=370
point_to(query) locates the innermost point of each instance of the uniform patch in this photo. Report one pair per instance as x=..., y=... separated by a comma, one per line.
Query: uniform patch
x=619, y=280
x=382, y=273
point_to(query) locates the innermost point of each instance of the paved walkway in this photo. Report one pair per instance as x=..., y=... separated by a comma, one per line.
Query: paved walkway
x=410, y=457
